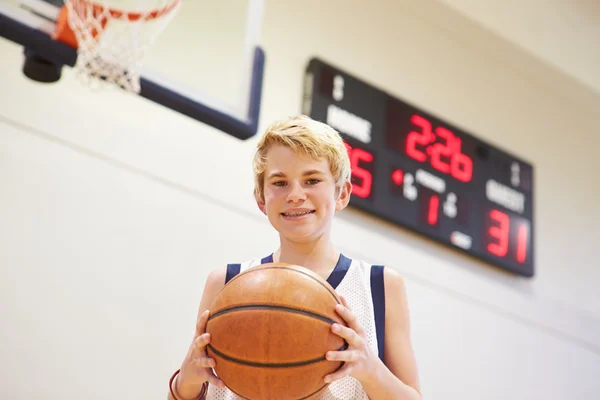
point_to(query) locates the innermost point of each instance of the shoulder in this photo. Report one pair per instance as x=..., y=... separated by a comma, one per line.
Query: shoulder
x=397, y=313
x=215, y=281
x=395, y=297
x=393, y=281
x=387, y=283
x=216, y=277
x=212, y=286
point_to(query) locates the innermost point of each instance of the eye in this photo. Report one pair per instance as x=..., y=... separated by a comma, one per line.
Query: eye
x=279, y=183
x=313, y=181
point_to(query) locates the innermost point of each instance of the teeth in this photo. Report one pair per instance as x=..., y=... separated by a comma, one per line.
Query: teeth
x=296, y=214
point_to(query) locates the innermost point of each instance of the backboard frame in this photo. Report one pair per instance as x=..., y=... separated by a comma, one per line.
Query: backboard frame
x=33, y=31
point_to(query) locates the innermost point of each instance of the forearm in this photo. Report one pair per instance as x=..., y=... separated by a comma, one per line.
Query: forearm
x=185, y=391
x=384, y=385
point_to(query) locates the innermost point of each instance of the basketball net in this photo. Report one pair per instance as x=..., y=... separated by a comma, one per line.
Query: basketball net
x=111, y=40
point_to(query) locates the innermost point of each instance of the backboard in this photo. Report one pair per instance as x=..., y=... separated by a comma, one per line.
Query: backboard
x=207, y=63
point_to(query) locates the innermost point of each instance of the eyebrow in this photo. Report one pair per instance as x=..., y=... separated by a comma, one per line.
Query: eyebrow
x=305, y=173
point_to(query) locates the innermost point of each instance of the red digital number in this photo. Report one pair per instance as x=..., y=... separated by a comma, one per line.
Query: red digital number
x=500, y=233
x=443, y=149
x=422, y=138
x=434, y=204
x=462, y=167
x=356, y=156
x=522, y=234
x=445, y=157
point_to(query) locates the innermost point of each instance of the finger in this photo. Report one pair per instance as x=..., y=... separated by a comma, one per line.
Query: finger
x=201, y=323
x=345, y=313
x=214, y=380
x=200, y=343
x=339, y=374
x=350, y=318
x=345, y=356
x=344, y=302
x=204, y=362
x=351, y=336
x=357, y=327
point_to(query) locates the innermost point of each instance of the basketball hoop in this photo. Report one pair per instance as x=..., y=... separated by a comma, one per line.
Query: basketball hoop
x=111, y=42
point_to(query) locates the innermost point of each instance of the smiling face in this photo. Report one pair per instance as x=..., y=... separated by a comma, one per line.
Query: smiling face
x=300, y=195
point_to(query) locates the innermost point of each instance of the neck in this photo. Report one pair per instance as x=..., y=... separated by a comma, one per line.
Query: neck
x=319, y=256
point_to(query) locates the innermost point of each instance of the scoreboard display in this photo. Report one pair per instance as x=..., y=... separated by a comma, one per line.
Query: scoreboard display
x=417, y=171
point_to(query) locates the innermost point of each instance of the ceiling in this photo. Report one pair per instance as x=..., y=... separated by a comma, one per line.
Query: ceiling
x=562, y=33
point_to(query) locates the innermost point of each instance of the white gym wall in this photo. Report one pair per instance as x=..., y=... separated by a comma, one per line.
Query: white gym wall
x=113, y=210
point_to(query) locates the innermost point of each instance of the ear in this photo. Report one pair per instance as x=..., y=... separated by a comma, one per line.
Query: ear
x=261, y=206
x=344, y=197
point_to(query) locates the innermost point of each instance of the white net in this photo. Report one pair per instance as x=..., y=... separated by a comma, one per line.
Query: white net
x=112, y=39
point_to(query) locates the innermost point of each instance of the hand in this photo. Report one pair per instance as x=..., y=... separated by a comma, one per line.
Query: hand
x=359, y=359
x=197, y=366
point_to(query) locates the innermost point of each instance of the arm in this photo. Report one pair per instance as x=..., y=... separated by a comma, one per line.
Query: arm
x=190, y=388
x=398, y=377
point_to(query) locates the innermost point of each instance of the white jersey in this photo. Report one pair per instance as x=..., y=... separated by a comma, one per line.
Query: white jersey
x=361, y=284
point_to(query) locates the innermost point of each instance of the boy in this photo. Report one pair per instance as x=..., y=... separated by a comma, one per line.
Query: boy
x=302, y=177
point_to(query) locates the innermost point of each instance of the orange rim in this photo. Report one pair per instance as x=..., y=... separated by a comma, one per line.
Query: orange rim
x=65, y=34
x=131, y=16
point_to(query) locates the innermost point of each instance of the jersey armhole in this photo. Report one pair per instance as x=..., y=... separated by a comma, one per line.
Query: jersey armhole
x=378, y=296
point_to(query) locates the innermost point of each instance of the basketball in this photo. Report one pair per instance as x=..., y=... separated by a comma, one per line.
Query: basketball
x=270, y=329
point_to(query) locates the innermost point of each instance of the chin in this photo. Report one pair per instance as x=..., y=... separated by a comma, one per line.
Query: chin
x=301, y=235
x=297, y=233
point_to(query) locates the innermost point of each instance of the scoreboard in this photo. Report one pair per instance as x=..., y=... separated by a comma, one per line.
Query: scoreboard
x=417, y=171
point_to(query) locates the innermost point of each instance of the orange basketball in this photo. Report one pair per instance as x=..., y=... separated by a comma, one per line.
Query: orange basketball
x=270, y=328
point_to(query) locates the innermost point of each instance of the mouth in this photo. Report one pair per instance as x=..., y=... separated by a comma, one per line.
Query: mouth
x=297, y=214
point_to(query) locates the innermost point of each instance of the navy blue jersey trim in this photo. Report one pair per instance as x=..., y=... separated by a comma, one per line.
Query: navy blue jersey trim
x=232, y=271
x=339, y=272
x=378, y=296
x=335, y=277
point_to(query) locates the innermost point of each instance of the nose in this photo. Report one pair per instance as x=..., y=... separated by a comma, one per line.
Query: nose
x=296, y=193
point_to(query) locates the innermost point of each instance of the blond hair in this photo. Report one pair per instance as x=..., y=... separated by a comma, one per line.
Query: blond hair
x=304, y=136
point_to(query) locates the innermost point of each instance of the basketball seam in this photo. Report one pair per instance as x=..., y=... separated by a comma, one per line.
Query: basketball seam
x=302, y=398
x=272, y=365
x=254, y=269
x=315, y=392
x=271, y=307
